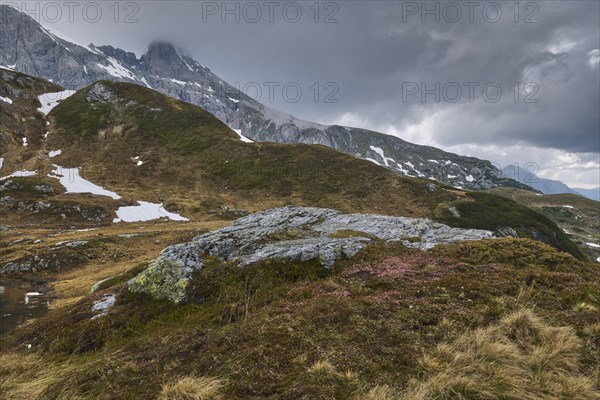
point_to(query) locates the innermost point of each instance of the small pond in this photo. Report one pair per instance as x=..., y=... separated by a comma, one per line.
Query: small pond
x=20, y=301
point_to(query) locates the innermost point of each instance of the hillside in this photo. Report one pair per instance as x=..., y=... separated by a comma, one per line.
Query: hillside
x=577, y=216
x=166, y=69
x=21, y=126
x=284, y=303
x=392, y=323
x=145, y=146
x=195, y=164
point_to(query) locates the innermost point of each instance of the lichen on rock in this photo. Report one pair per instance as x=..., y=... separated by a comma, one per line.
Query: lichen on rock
x=164, y=279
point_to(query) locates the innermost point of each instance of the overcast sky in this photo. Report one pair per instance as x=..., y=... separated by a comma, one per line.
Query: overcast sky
x=379, y=63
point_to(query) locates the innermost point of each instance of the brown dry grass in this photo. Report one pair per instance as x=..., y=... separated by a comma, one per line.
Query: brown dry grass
x=28, y=376
x=192, y=388
x=322, y=368
x=520, y=358
x=379, y=392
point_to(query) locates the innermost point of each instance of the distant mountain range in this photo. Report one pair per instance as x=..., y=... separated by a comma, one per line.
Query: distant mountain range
x=547, y=186
x=593, y=194
x=28, y=47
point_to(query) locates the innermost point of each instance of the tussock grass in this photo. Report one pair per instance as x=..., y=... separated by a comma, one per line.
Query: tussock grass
x=192, y=388
x=520, y=358
x=379, y=392
x=322, y=368
x=585, y=307
x=592, y=330
x=29, y=376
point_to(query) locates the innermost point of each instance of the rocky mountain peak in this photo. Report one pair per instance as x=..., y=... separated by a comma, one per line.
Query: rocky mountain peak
x=124, y=57
x=163, y=58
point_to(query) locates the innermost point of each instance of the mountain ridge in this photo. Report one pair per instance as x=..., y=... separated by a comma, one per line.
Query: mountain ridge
x=546, y=186
x=164, y=68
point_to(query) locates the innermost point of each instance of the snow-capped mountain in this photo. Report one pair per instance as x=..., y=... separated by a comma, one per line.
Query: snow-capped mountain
x=28, y=47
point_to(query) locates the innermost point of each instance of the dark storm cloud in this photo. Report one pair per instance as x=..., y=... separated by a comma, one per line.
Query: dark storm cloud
x=376, y=48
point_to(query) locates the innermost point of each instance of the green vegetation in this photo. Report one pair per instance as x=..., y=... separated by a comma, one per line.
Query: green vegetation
x=21, y=118
x=213, y=167
x=492, y=212
x=577, y=216
x=348, y=233
x=378, y=326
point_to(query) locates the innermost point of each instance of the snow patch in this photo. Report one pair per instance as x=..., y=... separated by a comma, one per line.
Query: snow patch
x=379, y=151
x=54, y=153
x=470, y=178
x=56, y=34
x=568, y=207
x=411, y=165
x=74, y=183
x=51, y=100
x=178, y=82
x=145, y=211
x=242, y=137
x=234, y=100
x=145, y=82
x=116, y=69
x=25, y=142
x=19, y=174
x=6, y=100
x=594, y=245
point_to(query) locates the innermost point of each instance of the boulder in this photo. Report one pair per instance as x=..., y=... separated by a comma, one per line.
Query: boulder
x=289, y=233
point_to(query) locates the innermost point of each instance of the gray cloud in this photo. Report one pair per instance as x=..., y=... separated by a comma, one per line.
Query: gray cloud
x=375, y=50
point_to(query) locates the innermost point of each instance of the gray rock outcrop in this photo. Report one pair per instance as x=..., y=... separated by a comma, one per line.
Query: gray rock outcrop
x=290, y=233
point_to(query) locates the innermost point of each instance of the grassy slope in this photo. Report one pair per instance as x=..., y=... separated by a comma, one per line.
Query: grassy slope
x=581, y=222
x=21, y=119
x=195, y=164
x=281, y=331
x=489, y=211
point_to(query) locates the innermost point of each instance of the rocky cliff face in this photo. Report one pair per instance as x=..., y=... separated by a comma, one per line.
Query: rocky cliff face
x=27, y=47
x=294, y=234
